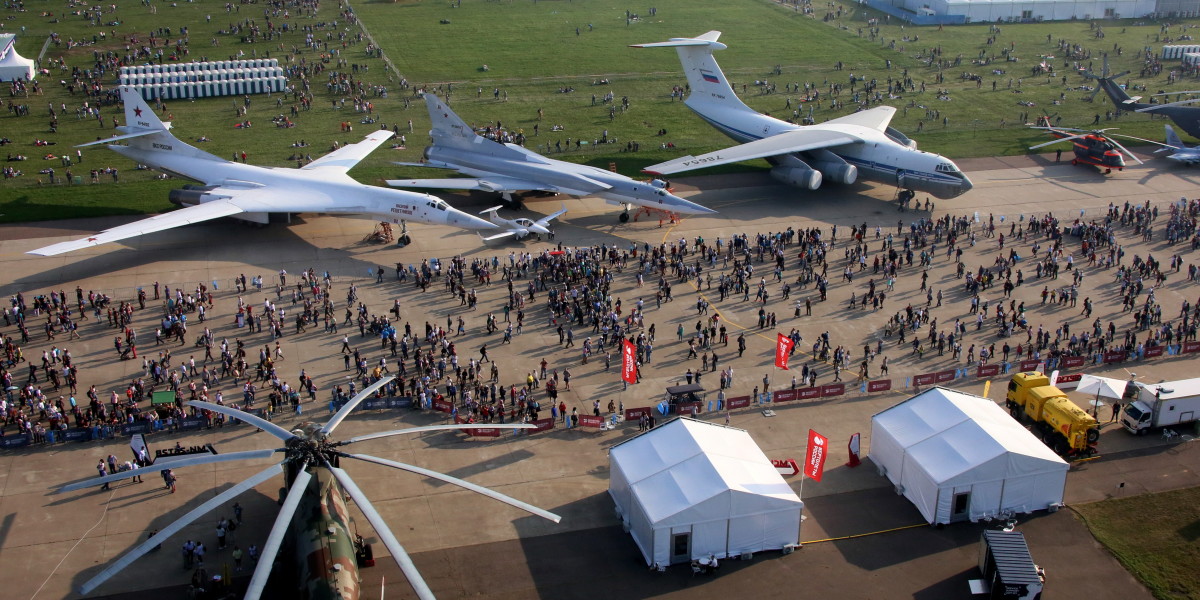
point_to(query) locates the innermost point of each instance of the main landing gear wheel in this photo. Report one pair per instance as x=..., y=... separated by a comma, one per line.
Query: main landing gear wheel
x=1074, y=162
x=624, y=218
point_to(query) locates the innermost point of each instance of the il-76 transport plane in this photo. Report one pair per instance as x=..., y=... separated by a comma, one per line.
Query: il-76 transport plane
x=507, y=168
x=250, y=193
x=841, y=150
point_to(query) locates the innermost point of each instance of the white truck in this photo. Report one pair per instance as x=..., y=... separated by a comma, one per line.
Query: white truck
x=1157, y=405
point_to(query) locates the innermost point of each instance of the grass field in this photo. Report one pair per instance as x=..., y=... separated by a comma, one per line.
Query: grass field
x=1156, y=537
x=536, y=49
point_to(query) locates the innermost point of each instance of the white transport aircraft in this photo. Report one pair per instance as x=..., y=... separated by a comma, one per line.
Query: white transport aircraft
x=840, y=150
x=522, y=227
x=250, y=193
x=508, y=168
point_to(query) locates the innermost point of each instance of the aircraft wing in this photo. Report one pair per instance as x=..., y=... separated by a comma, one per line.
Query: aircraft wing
x=231, y=201
x=508, y=233
x=876, y=118
x=546, y=219
x=796, y=140
x=499, y=183
x=343, y=159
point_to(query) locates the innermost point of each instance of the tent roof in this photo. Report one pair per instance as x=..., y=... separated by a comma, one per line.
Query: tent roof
x=950, y=433
x=683, y=463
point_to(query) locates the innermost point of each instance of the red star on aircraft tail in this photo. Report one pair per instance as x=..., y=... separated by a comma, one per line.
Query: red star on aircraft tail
x=137, y=112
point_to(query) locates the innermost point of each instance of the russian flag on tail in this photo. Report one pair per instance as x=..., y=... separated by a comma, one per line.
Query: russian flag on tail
x=709, y=76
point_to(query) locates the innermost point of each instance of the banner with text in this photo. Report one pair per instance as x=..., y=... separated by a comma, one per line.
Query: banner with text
x=814, y=457
x=783, y=347
x=628, y=362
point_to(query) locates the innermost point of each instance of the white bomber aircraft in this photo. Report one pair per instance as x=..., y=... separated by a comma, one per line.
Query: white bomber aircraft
x=522, y=227
x=249, y=193
x=508, y=168
x=840, y=150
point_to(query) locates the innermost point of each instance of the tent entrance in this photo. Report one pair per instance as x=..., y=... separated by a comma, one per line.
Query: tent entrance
x=962, y=503
x=681, y=547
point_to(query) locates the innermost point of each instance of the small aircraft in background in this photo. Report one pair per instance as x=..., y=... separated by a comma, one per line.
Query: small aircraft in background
x=1093, y=147
x=840, y=150
x=522, y=227
x=250, y=193
x=508, y=168
x=1180, y=153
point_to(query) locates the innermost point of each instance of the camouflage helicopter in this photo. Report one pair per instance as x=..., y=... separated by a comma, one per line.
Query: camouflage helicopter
x=314, y=511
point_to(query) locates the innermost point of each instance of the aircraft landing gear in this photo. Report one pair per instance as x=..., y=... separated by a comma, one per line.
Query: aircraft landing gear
x=510, y=202
x=624, y=216
x=1107, y=171
x=403, y=239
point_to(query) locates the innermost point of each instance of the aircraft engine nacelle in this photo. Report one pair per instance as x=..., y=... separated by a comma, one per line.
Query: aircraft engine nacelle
x=838, y=172
x=427, y=153
x=191, y=195
x=799, y=176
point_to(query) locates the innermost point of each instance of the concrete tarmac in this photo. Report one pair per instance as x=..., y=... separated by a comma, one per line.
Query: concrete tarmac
x=469, y=546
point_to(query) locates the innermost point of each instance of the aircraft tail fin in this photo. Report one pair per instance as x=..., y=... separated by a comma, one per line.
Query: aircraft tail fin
x=451, y=131
x=138, y=114
x=1116, y=93
x=708, y=83
x=1173, y=140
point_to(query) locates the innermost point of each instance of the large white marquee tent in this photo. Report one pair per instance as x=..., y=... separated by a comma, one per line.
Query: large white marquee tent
x=13, y=66
x=958, y=457
x=689, y=489
x=1036, y=10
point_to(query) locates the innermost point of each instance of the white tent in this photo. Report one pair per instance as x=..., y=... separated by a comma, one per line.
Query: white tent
x=958, y=456
x=1034, y=10
x=689, y=489
x=13, y=66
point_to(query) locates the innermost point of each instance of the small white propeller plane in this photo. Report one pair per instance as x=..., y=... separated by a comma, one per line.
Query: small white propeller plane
x=250, y=193
x=841, y=150
x=522, y=227
x=508, y=168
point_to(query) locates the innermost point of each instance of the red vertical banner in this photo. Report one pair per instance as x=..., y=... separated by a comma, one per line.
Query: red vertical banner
x=628, y=362
x=814, y=457
x=783, y=347
x=853, y=447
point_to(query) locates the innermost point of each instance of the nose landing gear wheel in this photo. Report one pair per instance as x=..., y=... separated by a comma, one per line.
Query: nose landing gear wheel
x=624, y=218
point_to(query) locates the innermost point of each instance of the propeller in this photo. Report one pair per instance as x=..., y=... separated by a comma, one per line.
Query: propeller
x=1177, y=93
x=241, y=415
x=164, y=465
x=267, y=558
x=529, y=508
x=375, y=436
x=173, y=528
x=385, y=533
x=1122, y=149
x=1066, y=139
x=353, y=403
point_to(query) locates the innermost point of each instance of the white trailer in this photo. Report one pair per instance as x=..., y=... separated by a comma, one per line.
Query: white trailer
x=1166, y=404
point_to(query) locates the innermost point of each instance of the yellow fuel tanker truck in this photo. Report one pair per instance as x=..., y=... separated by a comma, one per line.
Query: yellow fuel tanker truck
x=1063, y=426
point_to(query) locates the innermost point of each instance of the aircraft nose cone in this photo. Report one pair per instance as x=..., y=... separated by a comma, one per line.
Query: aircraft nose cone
x=965, y=186
x=461, y=219
x=680, y=205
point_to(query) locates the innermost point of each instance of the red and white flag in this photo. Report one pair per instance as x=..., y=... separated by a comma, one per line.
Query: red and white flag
x=783, y=347
x=814, y=457
x=628, y=362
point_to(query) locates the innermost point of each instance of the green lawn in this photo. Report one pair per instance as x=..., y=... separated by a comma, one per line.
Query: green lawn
x=1156, y=537
x=534, y=54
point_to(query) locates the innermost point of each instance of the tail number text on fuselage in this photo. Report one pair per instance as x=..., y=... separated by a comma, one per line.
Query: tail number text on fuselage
x=700, y=161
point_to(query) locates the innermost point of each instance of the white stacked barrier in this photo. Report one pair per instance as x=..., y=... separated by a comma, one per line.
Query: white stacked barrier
x=1173, y=52
x=205, y=79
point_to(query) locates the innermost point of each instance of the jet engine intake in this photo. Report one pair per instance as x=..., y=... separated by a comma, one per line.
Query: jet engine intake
x=837, y=172
x=190, y=195
x=798, y=175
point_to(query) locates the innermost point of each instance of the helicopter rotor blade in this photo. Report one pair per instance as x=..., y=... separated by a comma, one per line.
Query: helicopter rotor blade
x=1157, y=107
x=467, y=485
x=385, y=534
x=241, y=415
x=1134, y=137
x=173, y=528
x=344, y=412
x=266, y=560
x=1123, y=149
x=1177, y=93
x=1066, y=139
x=383, y=434
x=164, y=465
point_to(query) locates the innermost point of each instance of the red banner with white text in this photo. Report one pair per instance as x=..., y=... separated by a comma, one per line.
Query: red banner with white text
x=814, y=457
x=628, y=362
x=783, y=348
